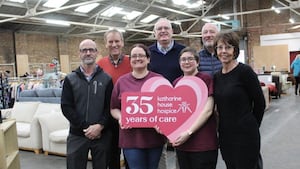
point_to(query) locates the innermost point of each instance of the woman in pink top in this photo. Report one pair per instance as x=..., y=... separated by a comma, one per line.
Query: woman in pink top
x=142, y=146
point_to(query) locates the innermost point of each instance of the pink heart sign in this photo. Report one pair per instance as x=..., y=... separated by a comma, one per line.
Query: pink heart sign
x=172, y=109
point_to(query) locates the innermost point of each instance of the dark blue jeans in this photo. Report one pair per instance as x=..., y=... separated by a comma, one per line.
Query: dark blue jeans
x=143, y=158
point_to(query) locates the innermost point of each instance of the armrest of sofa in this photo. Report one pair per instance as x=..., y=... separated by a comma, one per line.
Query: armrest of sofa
x=6, y=113
x=49, y=123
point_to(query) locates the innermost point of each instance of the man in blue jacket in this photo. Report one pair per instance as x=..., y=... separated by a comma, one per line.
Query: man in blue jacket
x=209, y=62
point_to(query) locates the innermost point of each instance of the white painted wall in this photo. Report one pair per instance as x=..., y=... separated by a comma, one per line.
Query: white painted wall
x=290, y=39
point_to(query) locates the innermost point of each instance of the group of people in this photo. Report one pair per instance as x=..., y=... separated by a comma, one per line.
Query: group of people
x=230, y=119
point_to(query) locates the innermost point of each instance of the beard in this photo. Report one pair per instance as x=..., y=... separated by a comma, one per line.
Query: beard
x=208, y=44
x=88, y=61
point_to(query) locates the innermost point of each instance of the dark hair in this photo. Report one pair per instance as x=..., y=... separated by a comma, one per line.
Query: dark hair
x=144, y=47
x=230, y=38
x=192, y=51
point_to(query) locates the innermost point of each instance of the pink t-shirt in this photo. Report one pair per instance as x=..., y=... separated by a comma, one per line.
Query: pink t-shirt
x=136, y=137
x=205, y=138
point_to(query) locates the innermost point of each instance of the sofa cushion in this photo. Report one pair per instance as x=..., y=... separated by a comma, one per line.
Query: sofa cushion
x=57, y=92
x=44, y=108
x=28, y=93
x=59, y=136
x=24, y=111
x=23, y=129
x=48, y=92
x=54, y=120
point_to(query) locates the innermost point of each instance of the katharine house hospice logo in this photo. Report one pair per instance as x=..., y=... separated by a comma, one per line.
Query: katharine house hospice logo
x=172, y=109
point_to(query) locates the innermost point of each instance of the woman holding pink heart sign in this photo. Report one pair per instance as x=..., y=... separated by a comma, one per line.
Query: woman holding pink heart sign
x=197, y=147
x=142, y=147
x=240, y=104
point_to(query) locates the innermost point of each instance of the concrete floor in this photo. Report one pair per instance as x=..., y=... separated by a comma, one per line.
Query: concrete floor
x=279, y=131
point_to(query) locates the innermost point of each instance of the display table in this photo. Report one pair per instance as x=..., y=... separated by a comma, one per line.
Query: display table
x=9, y=151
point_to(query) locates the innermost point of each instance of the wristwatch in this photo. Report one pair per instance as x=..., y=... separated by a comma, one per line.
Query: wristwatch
x=189, y=132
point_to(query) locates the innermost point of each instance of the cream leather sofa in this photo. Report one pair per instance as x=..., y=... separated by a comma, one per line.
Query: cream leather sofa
x=28, y=126
x=55, y=129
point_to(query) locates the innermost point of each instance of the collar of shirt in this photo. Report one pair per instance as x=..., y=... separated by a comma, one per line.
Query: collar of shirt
x=88, y=78
x=165, y=50
x=120, y=59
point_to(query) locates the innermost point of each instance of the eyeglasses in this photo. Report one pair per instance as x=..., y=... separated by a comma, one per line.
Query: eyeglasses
x=220, y=48
x=91, y=50
x=188, y=59
x=163, y=27
x=135, y=56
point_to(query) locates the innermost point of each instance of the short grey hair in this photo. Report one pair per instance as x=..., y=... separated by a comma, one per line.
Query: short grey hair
x=113, y=31
x=162, y=19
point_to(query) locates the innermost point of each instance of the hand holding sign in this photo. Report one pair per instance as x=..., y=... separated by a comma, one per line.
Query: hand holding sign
x=172, y=110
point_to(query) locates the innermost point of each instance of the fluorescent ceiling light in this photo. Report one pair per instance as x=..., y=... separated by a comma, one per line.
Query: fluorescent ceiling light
x=55, y=3
x=206, y=20
x=111, y=11
x=224, y=16
x=19, y=1
x=275, y=9
x=291, y=20
x=188, y=4
x=87, y=8
x=149, y=18
x=132, y=15
x=58, y=22
x=177, y=22
x=120, y=30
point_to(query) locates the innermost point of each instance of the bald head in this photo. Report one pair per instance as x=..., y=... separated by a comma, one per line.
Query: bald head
x=88, y=42
x=88, y=52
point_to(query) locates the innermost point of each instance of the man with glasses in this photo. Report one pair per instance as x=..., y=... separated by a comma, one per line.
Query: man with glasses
x=165, y=50
x=209, y=62
x=85, y=102
x=115, y=64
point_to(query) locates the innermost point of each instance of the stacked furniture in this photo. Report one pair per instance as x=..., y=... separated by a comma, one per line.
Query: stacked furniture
x=273, y=84
x=9, y=153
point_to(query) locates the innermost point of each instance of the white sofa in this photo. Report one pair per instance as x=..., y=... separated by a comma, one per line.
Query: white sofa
x=28, y=126
x=55, y=129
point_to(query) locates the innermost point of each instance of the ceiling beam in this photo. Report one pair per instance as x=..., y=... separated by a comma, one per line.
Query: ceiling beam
x=47, y=11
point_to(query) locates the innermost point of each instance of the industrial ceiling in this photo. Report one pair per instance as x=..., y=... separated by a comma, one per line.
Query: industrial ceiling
x=31, y=16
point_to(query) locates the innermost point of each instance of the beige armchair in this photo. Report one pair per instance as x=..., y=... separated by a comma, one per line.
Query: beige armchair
x=55, y=130
x=29, y=134
x=28, y=127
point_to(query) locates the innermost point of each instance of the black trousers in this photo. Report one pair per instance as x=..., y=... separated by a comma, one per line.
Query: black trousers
x=297, y=81
x=197, y=160
x=114, y=162
x=238, y=156
x=79, y=146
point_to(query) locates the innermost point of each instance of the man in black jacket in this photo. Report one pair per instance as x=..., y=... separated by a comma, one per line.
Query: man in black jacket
x=85, y=102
